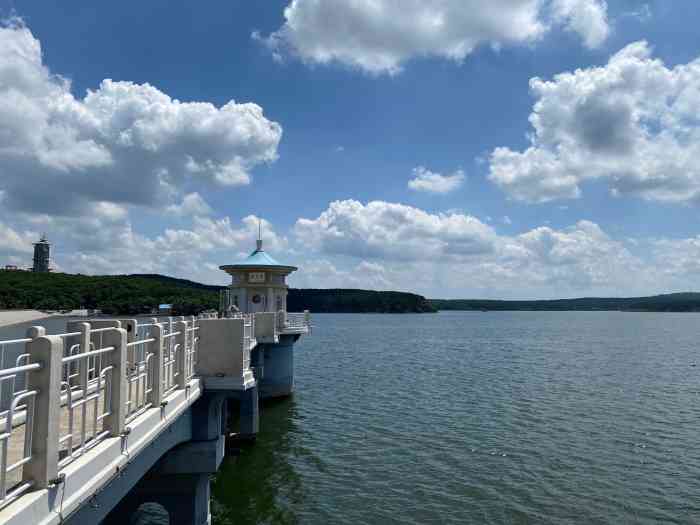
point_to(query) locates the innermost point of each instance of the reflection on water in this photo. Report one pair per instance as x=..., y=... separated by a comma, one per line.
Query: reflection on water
x=262, y=486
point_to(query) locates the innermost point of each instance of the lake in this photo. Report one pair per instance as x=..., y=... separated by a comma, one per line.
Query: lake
x=471, y=417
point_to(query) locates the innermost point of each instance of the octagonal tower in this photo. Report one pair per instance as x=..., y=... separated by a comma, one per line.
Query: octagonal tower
x=258, y=283
x=259, y=289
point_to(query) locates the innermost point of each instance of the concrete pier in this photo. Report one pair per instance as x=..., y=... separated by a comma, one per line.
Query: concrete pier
x=278, y=368
x=119, y=418
x=128, y=416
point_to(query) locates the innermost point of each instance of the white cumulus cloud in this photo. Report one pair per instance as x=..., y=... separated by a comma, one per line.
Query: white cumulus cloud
x=431, y=182
x=192, y=204
x=456, y=255
x=393, y=231
x=632, y=123
x=588, y=19
x=379, y=36
x=123, y=142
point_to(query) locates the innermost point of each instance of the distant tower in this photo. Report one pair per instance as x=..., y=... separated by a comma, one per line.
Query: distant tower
x=42, y=255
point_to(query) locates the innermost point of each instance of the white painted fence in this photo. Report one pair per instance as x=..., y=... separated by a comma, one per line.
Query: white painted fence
x=297, y=321
x=64, y=394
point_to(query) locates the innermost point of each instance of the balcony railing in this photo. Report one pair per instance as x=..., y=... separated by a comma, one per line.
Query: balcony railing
x=78, y=388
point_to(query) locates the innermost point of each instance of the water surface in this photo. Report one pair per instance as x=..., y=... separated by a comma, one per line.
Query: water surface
x=496, y=417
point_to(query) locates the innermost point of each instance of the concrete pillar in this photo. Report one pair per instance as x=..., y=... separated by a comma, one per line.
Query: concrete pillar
x=115, y=422
x=208, y=416
x=249, y=413
x=270, y=306
x=181, y=355
x=156, y=348
x=42, y=468
x=179, y=481
x=257, y=362
x=278, y=380
x=243, y=300
x=184, y=496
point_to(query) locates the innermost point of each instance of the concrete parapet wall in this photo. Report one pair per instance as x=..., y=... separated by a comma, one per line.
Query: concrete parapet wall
x=224, y=357
x=266, y=327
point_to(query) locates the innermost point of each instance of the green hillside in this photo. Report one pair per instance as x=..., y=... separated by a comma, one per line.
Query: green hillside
x=122, y=294
x=356, y=301
x=676, y=302
x=140, y=293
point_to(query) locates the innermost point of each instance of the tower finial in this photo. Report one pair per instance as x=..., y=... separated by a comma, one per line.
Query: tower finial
x=258, y=243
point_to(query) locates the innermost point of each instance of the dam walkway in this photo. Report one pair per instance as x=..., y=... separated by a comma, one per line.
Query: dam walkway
x=114, y=413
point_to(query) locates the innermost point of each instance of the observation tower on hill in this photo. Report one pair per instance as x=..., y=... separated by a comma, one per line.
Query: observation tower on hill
x=42, y=255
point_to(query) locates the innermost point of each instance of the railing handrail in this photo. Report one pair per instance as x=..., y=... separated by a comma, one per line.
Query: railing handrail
x=14, y=341
x=93, y=362
x=91, y=353
x=5, y=372
x=140, y=342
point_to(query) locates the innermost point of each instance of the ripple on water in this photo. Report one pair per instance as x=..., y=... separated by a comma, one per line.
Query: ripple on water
x=526, y=417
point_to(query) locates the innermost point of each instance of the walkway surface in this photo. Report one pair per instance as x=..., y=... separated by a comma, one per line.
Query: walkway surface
x=10, y=317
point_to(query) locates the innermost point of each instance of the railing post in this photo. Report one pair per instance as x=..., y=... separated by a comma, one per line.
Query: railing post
x=116, y=421
x=156, y=348
x=307, y=318
x=281, y=319
x=42, y=468
x=83, y=364
x=181, y=356
x=35, y=331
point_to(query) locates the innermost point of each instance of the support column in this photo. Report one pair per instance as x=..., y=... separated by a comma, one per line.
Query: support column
x=179, y=481
x=249, y=413
x=184, y=496
x=270, y=306
x=278, y=380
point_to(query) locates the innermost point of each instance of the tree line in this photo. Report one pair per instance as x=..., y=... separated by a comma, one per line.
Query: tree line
x=142, y=293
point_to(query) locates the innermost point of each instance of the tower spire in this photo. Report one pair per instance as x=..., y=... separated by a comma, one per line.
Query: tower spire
x=258, y=243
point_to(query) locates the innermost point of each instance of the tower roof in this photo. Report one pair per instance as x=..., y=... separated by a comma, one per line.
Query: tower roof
x=258, y=259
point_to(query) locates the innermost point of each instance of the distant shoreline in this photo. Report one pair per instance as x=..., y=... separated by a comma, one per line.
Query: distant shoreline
x=675, y=302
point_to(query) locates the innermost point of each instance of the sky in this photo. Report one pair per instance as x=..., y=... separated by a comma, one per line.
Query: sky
x=453, y=148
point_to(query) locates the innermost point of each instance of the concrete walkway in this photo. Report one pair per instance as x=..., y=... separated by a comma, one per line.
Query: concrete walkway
x=10, y=317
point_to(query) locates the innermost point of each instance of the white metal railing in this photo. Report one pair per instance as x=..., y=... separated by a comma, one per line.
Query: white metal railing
x=191, y=346
x=103, y=380
x=297, y=320
x=12, y=352
x=139, y=357
x=87, y=387
x=172, y=346
x=248, y=331
x=16, y=443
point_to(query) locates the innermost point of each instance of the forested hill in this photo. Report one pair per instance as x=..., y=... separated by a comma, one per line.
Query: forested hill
x=134, y=294
x=676, y=302
x=356, y=301
x=113, y=294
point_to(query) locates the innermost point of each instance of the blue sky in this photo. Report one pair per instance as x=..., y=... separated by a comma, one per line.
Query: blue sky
x=576, y=184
